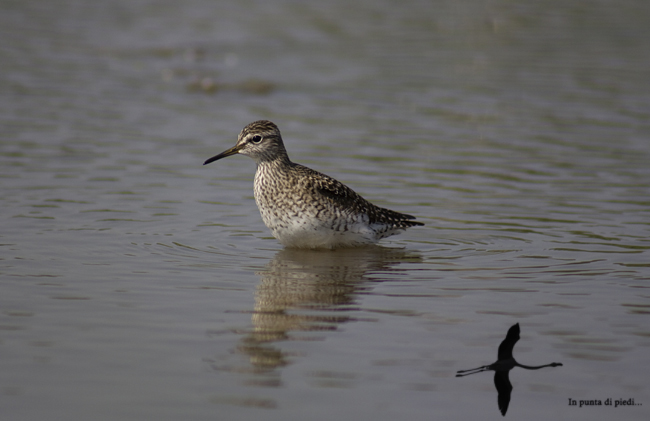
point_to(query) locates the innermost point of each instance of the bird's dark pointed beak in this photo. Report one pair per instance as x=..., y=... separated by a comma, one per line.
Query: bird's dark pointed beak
x=232, y=151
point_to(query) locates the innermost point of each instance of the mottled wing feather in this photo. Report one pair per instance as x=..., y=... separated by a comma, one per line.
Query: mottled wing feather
x=347, y=199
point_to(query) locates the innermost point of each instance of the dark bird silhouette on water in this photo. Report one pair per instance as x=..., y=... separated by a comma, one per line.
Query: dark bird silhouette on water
x=505, y=362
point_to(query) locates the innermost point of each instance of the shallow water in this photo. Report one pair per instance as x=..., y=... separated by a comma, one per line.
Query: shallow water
x=137, y=284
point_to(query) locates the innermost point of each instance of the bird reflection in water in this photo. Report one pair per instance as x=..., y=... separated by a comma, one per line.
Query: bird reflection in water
x=505, y=362
x=311, y=291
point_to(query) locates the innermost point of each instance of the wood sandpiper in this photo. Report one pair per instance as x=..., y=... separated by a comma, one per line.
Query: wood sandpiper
x=304, y=208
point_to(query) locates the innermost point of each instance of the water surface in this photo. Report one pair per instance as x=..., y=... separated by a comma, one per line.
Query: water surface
x=138, y=284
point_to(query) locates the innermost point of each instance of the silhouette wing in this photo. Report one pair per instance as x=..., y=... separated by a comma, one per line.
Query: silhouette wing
x=504, y=388
x=505, y=349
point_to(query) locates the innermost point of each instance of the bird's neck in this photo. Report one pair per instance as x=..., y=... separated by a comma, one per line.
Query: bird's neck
x=273, y=164
x=537, y=367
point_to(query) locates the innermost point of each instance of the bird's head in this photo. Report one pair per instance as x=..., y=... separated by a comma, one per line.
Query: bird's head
x=260, y=140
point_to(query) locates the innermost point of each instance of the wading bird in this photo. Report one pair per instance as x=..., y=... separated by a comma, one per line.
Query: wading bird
x=304, y=208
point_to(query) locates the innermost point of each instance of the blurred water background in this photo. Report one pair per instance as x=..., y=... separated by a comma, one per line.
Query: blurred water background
x=137, y=284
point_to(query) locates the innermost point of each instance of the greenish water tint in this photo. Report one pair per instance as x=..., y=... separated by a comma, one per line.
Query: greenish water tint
x=137, y=284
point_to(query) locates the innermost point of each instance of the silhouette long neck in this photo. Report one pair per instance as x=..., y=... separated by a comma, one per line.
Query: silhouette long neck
x=537, y=367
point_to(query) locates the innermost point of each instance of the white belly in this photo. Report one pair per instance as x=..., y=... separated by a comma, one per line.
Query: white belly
x=302, y=231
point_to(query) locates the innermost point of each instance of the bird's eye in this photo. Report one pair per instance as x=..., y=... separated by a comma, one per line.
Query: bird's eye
x=257, y=139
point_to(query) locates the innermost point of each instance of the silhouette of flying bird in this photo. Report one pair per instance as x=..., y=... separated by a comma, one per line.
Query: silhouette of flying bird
x=505, y=362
